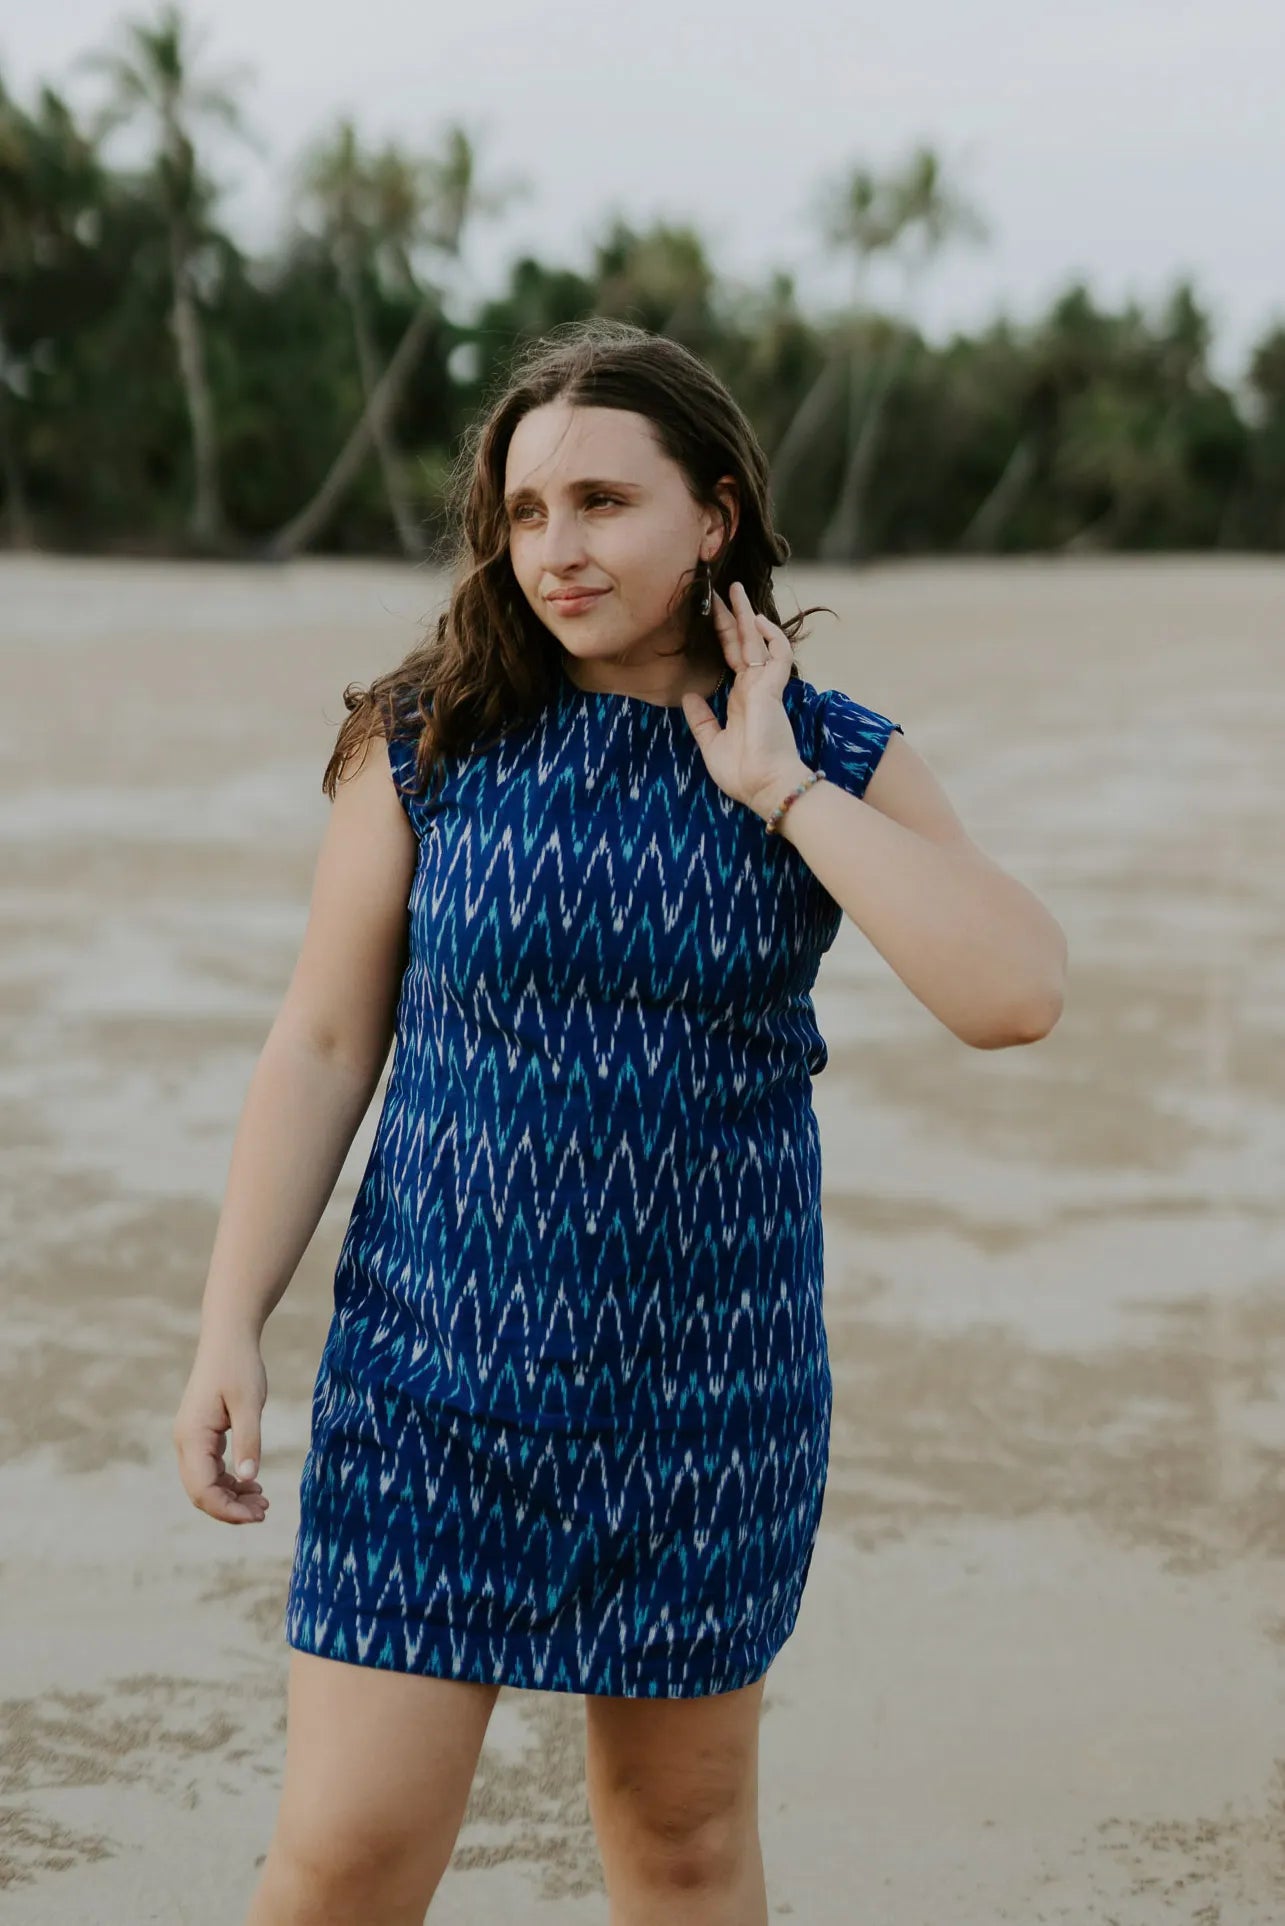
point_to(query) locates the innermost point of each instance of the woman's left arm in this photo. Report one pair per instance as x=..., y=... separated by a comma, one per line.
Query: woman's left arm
x=975, y=946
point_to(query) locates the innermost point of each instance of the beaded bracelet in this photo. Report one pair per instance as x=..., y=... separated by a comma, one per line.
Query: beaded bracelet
x=813, y=775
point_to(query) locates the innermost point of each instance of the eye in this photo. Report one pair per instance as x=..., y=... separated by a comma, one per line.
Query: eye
x=599, y=495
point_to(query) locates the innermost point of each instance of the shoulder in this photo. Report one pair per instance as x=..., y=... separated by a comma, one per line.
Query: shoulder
x=402, y=747
x=402, y=735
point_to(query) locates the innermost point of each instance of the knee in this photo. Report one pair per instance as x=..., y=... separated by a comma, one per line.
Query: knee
x=318, y=1874
x=708, y=1856
x=679, y=1841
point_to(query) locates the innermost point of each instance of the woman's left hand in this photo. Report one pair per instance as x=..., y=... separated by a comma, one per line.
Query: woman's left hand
x=754, y=758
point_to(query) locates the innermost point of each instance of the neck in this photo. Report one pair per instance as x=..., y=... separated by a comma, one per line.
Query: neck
x=704, y=678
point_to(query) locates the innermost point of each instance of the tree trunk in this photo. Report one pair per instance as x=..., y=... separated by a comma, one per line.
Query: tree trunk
x=845, y=538
x=206, y=521
x=408, y=532
x=21, y=532
x=799, y=439
x=1091, y=538
x=986, y=526
x=313, y=516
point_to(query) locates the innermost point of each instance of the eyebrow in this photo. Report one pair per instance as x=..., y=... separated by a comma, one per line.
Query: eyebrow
x=582, y=487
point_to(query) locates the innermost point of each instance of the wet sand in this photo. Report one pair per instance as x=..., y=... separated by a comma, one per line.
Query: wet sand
x=1038, y=1672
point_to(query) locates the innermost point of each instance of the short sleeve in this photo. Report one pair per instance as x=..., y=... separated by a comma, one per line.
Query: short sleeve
x=850, y=740
x=401, y=761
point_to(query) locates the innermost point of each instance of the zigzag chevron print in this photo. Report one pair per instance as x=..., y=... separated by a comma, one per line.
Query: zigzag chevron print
x=571, y=1424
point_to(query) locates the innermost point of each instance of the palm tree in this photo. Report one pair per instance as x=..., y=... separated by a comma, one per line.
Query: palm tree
x=852, y=214
x=416, y=204
x=659, y=276
x=18, y=225
x=334, y=185
x=914, y=213
x=986, y=525
x=151, y=77
x=51, y=200
x=1124, y=447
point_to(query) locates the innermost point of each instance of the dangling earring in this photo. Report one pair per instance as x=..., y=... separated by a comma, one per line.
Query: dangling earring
x=705, y=600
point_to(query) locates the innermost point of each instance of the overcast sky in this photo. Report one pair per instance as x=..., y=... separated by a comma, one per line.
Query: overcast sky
x=1127, y=141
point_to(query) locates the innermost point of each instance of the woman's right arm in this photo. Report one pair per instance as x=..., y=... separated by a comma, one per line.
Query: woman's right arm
x=310, y=1089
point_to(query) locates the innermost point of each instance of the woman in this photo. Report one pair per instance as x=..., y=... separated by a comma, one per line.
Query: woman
x=571, y=1422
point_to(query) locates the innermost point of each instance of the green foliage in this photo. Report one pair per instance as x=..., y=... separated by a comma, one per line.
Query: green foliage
x=1087, y=428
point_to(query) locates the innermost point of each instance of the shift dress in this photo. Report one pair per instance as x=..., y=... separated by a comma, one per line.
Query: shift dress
x=571, y=1423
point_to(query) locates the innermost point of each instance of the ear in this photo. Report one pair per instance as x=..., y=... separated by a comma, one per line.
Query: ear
x=727, y=492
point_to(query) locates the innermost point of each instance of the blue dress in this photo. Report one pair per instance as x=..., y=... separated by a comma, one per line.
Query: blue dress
x=571, y=1423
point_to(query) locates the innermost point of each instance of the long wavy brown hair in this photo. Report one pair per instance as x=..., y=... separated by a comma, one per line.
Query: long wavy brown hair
x=492, y=665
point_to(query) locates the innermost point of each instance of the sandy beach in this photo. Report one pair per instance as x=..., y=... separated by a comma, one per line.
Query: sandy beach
x=1038, y=1672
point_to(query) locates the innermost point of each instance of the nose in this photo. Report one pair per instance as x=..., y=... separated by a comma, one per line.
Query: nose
x=562, y=549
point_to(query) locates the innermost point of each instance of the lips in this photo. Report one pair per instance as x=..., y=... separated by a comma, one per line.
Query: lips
x=576, y=599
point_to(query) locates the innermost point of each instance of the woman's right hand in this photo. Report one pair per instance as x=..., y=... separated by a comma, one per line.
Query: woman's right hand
x=228, y=1388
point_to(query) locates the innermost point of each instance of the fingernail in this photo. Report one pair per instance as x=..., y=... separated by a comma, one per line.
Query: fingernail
x=246, y=1468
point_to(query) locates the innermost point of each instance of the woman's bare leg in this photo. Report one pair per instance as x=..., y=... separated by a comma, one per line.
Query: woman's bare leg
x=379, y=1766
x=673, y=1793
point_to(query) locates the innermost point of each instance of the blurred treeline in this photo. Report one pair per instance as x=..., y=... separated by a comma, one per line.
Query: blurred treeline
x=162, y=390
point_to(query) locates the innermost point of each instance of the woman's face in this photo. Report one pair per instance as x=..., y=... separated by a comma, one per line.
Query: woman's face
x=636, y=534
